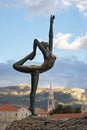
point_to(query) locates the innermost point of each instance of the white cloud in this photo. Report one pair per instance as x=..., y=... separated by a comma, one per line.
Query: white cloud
x=85, y=14
x=9, y=3
x=82, y=6
x=32, y=2
x=61, y=42
x=37, y=7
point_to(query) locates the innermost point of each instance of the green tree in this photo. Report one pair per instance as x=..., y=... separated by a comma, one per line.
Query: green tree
x=67, y=109
x=52, y=112
x=77, y=110
x=59, y=108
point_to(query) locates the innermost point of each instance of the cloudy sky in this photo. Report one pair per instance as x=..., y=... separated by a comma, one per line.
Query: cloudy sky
x=21, y=21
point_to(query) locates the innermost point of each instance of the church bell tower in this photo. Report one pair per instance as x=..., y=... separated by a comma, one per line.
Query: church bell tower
x=51, y=105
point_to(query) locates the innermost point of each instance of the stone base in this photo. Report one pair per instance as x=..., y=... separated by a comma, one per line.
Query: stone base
x=47, y=123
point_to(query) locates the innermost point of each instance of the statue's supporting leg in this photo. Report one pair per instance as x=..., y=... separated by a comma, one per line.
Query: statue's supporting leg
x=34, y=83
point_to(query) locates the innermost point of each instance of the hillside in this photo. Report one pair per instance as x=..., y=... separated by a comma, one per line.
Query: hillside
x=19, y=95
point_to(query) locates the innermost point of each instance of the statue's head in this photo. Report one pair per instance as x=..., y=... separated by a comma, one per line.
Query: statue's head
x=45, y=44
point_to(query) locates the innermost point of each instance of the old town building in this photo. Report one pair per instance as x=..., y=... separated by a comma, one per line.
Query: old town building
x=9, y=113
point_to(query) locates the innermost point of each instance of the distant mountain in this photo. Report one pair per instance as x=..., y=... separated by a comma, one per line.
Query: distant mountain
x=19, y=95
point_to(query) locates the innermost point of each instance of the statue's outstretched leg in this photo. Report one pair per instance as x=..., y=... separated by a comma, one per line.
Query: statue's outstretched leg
x=34, y=83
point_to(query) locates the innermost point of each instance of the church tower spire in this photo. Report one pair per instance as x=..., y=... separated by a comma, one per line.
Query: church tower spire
x=50, y=99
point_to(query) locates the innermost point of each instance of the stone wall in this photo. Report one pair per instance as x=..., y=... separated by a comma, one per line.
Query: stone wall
x=23, y=113
x=84, y=108
x=6, y=117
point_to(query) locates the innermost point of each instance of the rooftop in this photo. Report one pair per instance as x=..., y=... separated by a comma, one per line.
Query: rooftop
x=69, y=115
x=7, y=107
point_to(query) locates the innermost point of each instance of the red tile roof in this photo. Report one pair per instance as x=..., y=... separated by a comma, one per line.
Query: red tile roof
x=74, y=115
x=8, y=107
x=84, y=114
x=41, y=111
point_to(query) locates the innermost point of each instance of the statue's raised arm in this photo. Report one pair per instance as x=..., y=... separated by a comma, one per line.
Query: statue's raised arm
x=52, y=17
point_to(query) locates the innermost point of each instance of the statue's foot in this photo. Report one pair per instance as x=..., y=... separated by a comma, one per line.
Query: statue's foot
x=32, y=112
x=31, y=56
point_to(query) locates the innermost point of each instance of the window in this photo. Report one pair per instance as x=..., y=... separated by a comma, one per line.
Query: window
x=50, y=102
x=16, y=114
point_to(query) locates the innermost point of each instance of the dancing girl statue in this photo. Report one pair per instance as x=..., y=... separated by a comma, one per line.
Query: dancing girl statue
x=35, y=70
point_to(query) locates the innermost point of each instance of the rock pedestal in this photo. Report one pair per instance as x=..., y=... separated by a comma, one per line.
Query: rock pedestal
x=47, y=123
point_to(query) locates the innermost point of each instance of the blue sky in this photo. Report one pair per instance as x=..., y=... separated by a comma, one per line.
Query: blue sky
x=21, y=21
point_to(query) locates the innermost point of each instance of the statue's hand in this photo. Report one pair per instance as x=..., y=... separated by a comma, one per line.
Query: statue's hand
x=52, y=17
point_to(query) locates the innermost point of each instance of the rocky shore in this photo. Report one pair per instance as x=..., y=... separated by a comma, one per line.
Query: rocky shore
x=47, y=123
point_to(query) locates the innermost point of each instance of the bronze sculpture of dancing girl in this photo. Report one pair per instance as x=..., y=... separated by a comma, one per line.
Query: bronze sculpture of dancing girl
x=35, y=70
